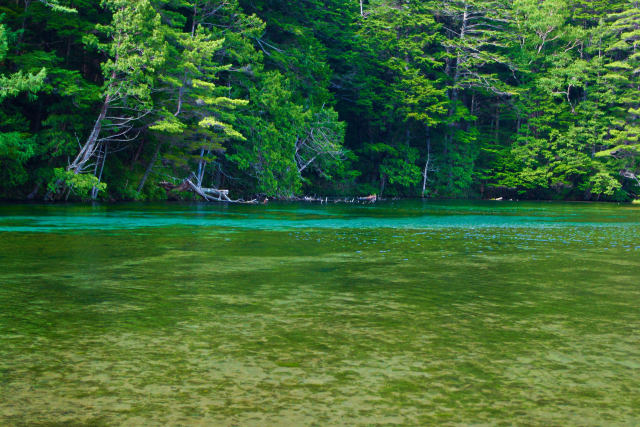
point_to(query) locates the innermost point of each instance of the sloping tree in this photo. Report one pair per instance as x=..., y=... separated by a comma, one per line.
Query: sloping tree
x=134, y=44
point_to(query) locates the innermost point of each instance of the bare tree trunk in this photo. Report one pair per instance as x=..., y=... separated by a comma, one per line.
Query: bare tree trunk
x=454, y=96
x=89, y=147
x=24, y=21
x=94, y=190
x=184, y=77
x=200, y=167
x=149, y=167
x=497, y=134
x=425, y=173
x=473, y=108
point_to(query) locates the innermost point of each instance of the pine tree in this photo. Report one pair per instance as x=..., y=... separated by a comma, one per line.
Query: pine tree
x=135, y=46
x=622, y=142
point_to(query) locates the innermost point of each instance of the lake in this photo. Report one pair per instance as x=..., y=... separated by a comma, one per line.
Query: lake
x=407, y=313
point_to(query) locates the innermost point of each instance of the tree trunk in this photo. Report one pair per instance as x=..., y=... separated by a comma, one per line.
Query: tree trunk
x=425, y=173
x=383, y=181
x=149, y=167
x=454, y=98
x=497, y=133
x=94, y=190
x=89, y=147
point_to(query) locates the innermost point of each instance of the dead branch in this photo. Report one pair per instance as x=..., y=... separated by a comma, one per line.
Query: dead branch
x=207, y=194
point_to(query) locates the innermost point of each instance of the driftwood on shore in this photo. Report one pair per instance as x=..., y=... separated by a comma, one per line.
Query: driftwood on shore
x=218, y=195
x=208, y=194
x=314, y=199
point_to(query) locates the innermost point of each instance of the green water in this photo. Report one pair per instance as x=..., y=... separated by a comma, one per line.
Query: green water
x=404, y=313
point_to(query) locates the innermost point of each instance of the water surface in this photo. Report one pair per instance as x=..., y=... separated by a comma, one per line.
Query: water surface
x=399, y=313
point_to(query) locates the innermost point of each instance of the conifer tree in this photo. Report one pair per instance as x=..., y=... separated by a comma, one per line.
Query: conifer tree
x=622, y=141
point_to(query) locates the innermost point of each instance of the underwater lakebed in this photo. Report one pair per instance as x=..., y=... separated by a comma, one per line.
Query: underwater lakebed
x=405, y=313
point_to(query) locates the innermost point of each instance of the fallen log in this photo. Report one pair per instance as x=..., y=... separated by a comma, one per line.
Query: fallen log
x=219, y=195
x=208, y=194
x=371, y=199
x=215, y=191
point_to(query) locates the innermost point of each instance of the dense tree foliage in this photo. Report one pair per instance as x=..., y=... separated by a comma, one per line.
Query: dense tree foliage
x=454, y=98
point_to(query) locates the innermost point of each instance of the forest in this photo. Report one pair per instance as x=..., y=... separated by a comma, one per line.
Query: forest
x=122, y=99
